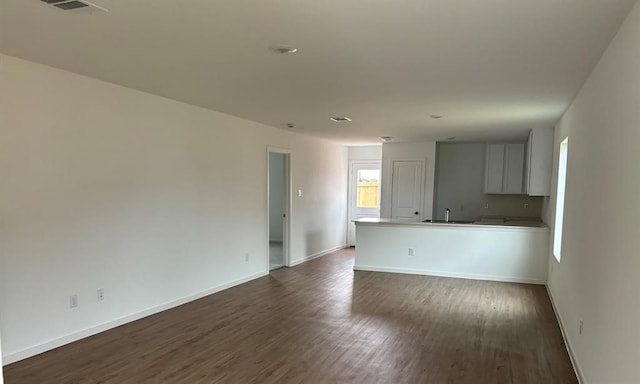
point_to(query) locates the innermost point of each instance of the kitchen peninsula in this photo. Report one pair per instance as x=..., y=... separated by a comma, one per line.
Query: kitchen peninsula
x=512, y=253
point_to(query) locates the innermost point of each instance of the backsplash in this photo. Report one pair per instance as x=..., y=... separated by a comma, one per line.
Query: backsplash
x=498, y=206
x=512, y=205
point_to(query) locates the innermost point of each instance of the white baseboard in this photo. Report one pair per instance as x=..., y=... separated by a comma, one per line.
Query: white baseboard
x=75, y=336
x=316, y=255
x=567, y=343
x=425, y=272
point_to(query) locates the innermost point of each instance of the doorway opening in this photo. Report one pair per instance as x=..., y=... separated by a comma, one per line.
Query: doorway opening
x=364, y=194
x=279, y=203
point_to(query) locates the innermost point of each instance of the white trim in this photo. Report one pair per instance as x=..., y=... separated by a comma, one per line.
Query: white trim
x=567, y=342
x=286, y=232
x=427, y=272
x=316, y=255
x=351, y=195
x=423, y=177
x=60, y=341
x=386, y=182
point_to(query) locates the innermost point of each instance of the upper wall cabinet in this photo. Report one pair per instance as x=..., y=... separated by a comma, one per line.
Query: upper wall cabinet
x=504, y=169
x=538, y=162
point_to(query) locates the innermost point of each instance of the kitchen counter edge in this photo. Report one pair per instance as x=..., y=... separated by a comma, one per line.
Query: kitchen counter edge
x=471, y=226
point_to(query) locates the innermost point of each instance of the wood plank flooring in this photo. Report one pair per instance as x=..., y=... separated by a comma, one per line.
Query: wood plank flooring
x=320, y=322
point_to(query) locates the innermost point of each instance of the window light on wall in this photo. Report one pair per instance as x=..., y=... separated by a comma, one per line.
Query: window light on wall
x=560, y=198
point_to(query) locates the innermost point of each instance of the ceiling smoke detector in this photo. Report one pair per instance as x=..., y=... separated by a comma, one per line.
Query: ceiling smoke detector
x=435, y=116
x=342, y=119
x=75, y=5
x=385, y=139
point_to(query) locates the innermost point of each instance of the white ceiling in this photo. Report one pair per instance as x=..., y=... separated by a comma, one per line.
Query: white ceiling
x=493, y=68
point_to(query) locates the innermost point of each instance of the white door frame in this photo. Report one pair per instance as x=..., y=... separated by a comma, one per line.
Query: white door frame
x=351, y=195
x=286, y=230
x=423, y=162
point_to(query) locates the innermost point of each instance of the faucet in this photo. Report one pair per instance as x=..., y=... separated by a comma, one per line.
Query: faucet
x=447, y=211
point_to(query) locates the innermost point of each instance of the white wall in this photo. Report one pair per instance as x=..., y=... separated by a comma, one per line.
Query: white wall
x=153, y=200
x=319, y=216
x=276, y=195
x=598, y=278
x=366, y=152
x=480, y=252
x=459, y=180
x=419, y=150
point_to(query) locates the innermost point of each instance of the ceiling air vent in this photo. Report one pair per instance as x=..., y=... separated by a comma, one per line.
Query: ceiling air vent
x=340, y=119
x=75, y=5
x=71, y=5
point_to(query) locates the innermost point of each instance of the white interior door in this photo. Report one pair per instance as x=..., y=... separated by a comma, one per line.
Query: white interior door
x=406, y=190
x=364, y=194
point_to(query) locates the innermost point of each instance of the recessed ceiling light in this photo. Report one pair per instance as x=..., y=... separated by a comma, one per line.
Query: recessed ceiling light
x=282, y=50
x=291, y=125
x=435, y=116
x=386, y=138
x=340, y=119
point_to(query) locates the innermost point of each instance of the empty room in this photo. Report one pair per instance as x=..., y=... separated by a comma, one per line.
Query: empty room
x=415, y=191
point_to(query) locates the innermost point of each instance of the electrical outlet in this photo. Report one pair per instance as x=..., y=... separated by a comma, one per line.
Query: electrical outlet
x=411, y=252
x=526, y=205
x=486, y=205
x=246, y=256
x=73, y=301
x=100, y=294
x=581, y=326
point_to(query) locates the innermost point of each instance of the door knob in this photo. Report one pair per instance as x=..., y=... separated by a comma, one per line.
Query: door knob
x=416, y=212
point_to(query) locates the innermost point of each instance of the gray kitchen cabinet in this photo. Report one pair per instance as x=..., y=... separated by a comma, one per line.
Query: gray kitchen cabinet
x=538, y=162
x=504, y=168
x=494, y=170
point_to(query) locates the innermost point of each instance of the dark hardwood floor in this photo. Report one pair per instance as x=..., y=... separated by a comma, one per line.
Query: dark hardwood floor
x=320, y=322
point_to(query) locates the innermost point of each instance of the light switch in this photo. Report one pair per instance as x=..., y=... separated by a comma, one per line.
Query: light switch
x=299, y=192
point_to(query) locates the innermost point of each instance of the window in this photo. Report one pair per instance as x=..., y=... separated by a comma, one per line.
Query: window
x=562, y=182
x=368, y=188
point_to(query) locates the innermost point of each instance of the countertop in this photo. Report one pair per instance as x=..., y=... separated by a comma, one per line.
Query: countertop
x=512, y=224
